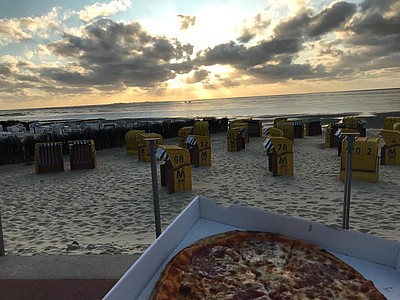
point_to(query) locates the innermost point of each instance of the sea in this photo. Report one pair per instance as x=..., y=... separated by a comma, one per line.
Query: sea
x=358, y=103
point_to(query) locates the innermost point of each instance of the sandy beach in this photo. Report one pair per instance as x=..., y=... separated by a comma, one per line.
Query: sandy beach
x=109, y=209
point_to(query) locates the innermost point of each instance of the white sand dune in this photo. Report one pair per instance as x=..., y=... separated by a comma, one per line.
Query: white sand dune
x=110, y=209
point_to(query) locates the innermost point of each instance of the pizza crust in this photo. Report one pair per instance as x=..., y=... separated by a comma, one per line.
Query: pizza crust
x=259, y=265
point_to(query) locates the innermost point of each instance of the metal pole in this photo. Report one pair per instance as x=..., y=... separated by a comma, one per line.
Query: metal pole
x=155, y=185
x=347, y=182
x=2, y=252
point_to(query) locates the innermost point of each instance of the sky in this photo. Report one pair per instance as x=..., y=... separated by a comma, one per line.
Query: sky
x=78, y=52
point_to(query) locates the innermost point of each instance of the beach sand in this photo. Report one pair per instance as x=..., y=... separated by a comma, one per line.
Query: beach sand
x=109, y=209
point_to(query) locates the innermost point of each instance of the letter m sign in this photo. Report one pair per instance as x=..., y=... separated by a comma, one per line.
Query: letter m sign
x=180, y=175
x=283, y=160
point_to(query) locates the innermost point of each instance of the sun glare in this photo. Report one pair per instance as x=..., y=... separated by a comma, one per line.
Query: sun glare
x=220, y=70
x=175, y=83
x=211, y=75
x=213, y=26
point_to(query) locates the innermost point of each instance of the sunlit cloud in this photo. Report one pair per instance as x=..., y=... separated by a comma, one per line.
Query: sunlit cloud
x=187, y=21
x=20, y=29
x=98, y=9
x=9, y=59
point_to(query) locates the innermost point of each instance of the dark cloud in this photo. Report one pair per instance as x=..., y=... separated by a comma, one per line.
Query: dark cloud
x=283, y=72
x=246, y=36
x=221, y=82
x=103, y=41
x=377, y=5
x=66, y=90
x=259, y=27
x=308, y=24
x=28, y=78
x=374, y=30
x=198, y=76
x=114, y=53
x=224, y=54
x=18, y=87
x=227, y=82
x=375, y=23
x=5, y=69
x=182, y=67
x=331, y=18
x=187, y=21
x=294, y=27
x=375, y=33
x=135, y=72
x=238, y=56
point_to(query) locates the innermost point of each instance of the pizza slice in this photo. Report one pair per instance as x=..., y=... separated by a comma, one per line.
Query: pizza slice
x=317, y=274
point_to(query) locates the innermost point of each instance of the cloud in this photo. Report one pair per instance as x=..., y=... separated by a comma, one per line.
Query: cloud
x=373, y=36
x=377, y=18
x=341, y=41
x=104, y=56
x=187, y=21
x=307, y=23
x=368, y=39
x=5, y=69
x=98, y=9
x=197, y=76
x=112, y=53
x=17, y=30
x=295, y=27
x=242, y=57
x=284, y=72
x=377, y=5
x=258, y=26
x=227, y=82
x=331, y=18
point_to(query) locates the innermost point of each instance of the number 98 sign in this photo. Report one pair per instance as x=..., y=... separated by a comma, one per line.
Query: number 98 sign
x=178, y=159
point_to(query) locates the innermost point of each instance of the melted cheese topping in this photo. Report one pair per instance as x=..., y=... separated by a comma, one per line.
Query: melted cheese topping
x=260, y=267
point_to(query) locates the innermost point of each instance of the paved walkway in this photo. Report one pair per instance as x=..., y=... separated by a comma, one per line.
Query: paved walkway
x=61, y=276
x=57, y=289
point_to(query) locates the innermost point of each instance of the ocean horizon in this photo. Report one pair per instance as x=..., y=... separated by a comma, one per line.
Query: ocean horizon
x=357, y=102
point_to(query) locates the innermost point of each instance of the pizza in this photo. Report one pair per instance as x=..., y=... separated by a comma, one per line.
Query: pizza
x=243, y=265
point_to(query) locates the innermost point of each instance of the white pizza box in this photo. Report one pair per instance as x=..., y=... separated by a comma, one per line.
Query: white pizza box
x=376, y=258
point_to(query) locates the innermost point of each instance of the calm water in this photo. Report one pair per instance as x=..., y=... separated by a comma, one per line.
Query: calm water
x=356, y=102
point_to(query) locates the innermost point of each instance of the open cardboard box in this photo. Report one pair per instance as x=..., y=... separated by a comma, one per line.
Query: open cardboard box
x=376, y=258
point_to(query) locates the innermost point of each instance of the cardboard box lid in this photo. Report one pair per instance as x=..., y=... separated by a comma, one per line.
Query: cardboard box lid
x=375, y=258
